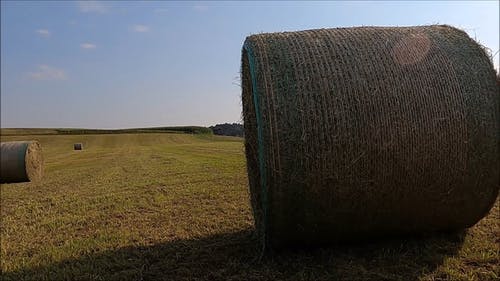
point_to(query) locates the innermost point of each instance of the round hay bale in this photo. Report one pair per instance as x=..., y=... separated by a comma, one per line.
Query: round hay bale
x=21, y=161
x=78, y=146
x=368, y=131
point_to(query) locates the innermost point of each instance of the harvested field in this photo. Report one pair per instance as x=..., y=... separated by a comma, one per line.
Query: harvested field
x=176, y=207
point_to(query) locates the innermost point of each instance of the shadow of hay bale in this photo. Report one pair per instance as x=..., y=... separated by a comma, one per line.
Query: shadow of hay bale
x=234, y=256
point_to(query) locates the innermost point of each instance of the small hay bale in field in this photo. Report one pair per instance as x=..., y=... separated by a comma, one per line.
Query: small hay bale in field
x=78, y=146
x=21, y=161
x=368, y=131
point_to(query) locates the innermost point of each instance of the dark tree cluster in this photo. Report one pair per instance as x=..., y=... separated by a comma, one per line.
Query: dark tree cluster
x=227, y=129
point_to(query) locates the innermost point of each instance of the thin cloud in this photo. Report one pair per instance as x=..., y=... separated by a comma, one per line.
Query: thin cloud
x=45, y=72
x=92, y=7
x=140, y=28
x=160, y=10
x=88, y=46
x=43, y=32
x=200, y=8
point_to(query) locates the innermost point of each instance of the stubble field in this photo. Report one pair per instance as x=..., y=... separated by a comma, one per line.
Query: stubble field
x=158, y=206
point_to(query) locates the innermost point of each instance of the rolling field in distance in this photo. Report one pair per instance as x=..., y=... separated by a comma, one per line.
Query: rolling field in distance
x=171, y=206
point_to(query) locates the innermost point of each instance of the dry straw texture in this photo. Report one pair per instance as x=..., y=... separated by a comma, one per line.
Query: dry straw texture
x=21, y=161
x=368, y=131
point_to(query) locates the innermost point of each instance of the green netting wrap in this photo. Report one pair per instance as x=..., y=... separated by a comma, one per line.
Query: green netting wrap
x=260, y=142
x=369, y=131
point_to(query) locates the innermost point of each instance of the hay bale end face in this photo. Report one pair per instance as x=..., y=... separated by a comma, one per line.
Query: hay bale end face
x=78, y=146
x=368, y=131
x=21, y=161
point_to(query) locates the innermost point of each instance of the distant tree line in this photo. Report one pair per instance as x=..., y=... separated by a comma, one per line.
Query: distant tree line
x=176, y=129
x=227, y=129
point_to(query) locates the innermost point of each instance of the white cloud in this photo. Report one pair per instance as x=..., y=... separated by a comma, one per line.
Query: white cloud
x=92, y=7
x=45, y=72
x=88, y=46
x=140, y=28
x=43, y=32
x=200, y=8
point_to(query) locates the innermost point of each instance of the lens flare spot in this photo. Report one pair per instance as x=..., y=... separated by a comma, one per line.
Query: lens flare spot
x=411, y=49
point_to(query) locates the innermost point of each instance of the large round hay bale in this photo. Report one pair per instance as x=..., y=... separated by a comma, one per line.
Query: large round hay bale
x=368, y=131
x=21, y=161
x=78, y=146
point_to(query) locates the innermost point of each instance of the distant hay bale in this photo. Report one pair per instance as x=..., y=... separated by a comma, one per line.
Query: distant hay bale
x=78, y=146
x=21, y=161
x=368, y=131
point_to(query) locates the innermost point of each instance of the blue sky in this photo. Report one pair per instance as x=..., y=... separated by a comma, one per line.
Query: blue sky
x=140, y=64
